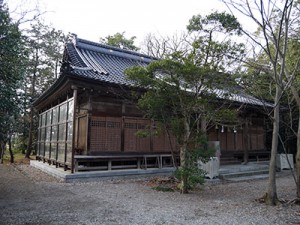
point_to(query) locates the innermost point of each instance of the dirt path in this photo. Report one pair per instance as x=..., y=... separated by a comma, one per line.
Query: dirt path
x=28, y=196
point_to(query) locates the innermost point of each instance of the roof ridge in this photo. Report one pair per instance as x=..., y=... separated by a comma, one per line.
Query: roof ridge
x=108, y=49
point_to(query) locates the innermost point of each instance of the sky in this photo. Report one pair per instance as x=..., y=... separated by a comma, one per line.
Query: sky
x=92, y=19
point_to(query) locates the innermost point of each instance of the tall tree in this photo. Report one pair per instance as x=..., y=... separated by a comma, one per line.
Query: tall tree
x=292, y=75
x=45, y=45
x=161, y=47
x=214, y=45
x=119, y=40
x=174, y=100
x=12, y=55
x=272, y=39
x=180, y=90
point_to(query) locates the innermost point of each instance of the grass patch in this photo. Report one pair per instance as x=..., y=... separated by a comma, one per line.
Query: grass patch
x=19, y=158
x=163, y=189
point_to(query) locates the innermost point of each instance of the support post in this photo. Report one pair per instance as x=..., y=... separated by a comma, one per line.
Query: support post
x=246, y=142
x=123, y=127
x=74, y=124
x=88, y=122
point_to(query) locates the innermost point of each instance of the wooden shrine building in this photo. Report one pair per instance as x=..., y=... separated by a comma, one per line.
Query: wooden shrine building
x=86, y=117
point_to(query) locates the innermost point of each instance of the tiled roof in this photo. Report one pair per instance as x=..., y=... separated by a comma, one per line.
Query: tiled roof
x=107, y=64
x=241, y=97
x=103, y=63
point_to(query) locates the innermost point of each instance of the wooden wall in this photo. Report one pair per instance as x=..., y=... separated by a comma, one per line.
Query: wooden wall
x=231, y=141
x=120, y=134
x=112, y=125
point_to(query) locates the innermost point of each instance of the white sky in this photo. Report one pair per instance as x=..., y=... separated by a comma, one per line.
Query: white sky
x=92, y=19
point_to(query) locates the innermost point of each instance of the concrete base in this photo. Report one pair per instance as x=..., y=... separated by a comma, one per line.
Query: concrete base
x=242, y=172
x=68, y=177
x=251, y=166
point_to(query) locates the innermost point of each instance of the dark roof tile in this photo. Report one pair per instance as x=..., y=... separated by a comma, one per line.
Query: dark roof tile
x=107, y=63
x=103, y=63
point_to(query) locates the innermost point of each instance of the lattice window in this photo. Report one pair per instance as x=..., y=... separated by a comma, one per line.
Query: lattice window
x=133, y=143
x=105, y=134
x=95, y=123
x=130, y=125
x=161, y=142
x=111, y=124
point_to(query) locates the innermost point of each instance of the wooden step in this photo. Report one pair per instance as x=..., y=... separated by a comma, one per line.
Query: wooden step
x=244, y=174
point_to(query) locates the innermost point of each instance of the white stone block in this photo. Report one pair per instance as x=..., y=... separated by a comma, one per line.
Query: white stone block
x=284, y=161
x=211, y=167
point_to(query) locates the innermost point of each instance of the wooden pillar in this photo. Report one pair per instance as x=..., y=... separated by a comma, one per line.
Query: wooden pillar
x=152, y=123
x=74, y=124
x=235, y=138
x=246, y=141
x=66, y=135
x=51, y=138
x=265, y=131
x=123, y=127
x=88, y=124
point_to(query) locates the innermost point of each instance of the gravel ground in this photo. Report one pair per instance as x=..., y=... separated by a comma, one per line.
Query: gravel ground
x=29, y=196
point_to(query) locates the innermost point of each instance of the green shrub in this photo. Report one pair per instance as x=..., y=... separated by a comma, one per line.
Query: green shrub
x=191, y=171
x=163, y=189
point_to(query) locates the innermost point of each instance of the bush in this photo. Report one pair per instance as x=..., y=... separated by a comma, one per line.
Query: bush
x=191, y=171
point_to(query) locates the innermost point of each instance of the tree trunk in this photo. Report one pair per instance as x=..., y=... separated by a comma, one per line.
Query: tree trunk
x=183, y=158
x=24, y=124
x=30, y=136
x=204, y=132
x=12, y=158
x=2, y=149
x=297, y=99
x=298, y=158
x=203, y=126
x=271, y=196
x=183, y=164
